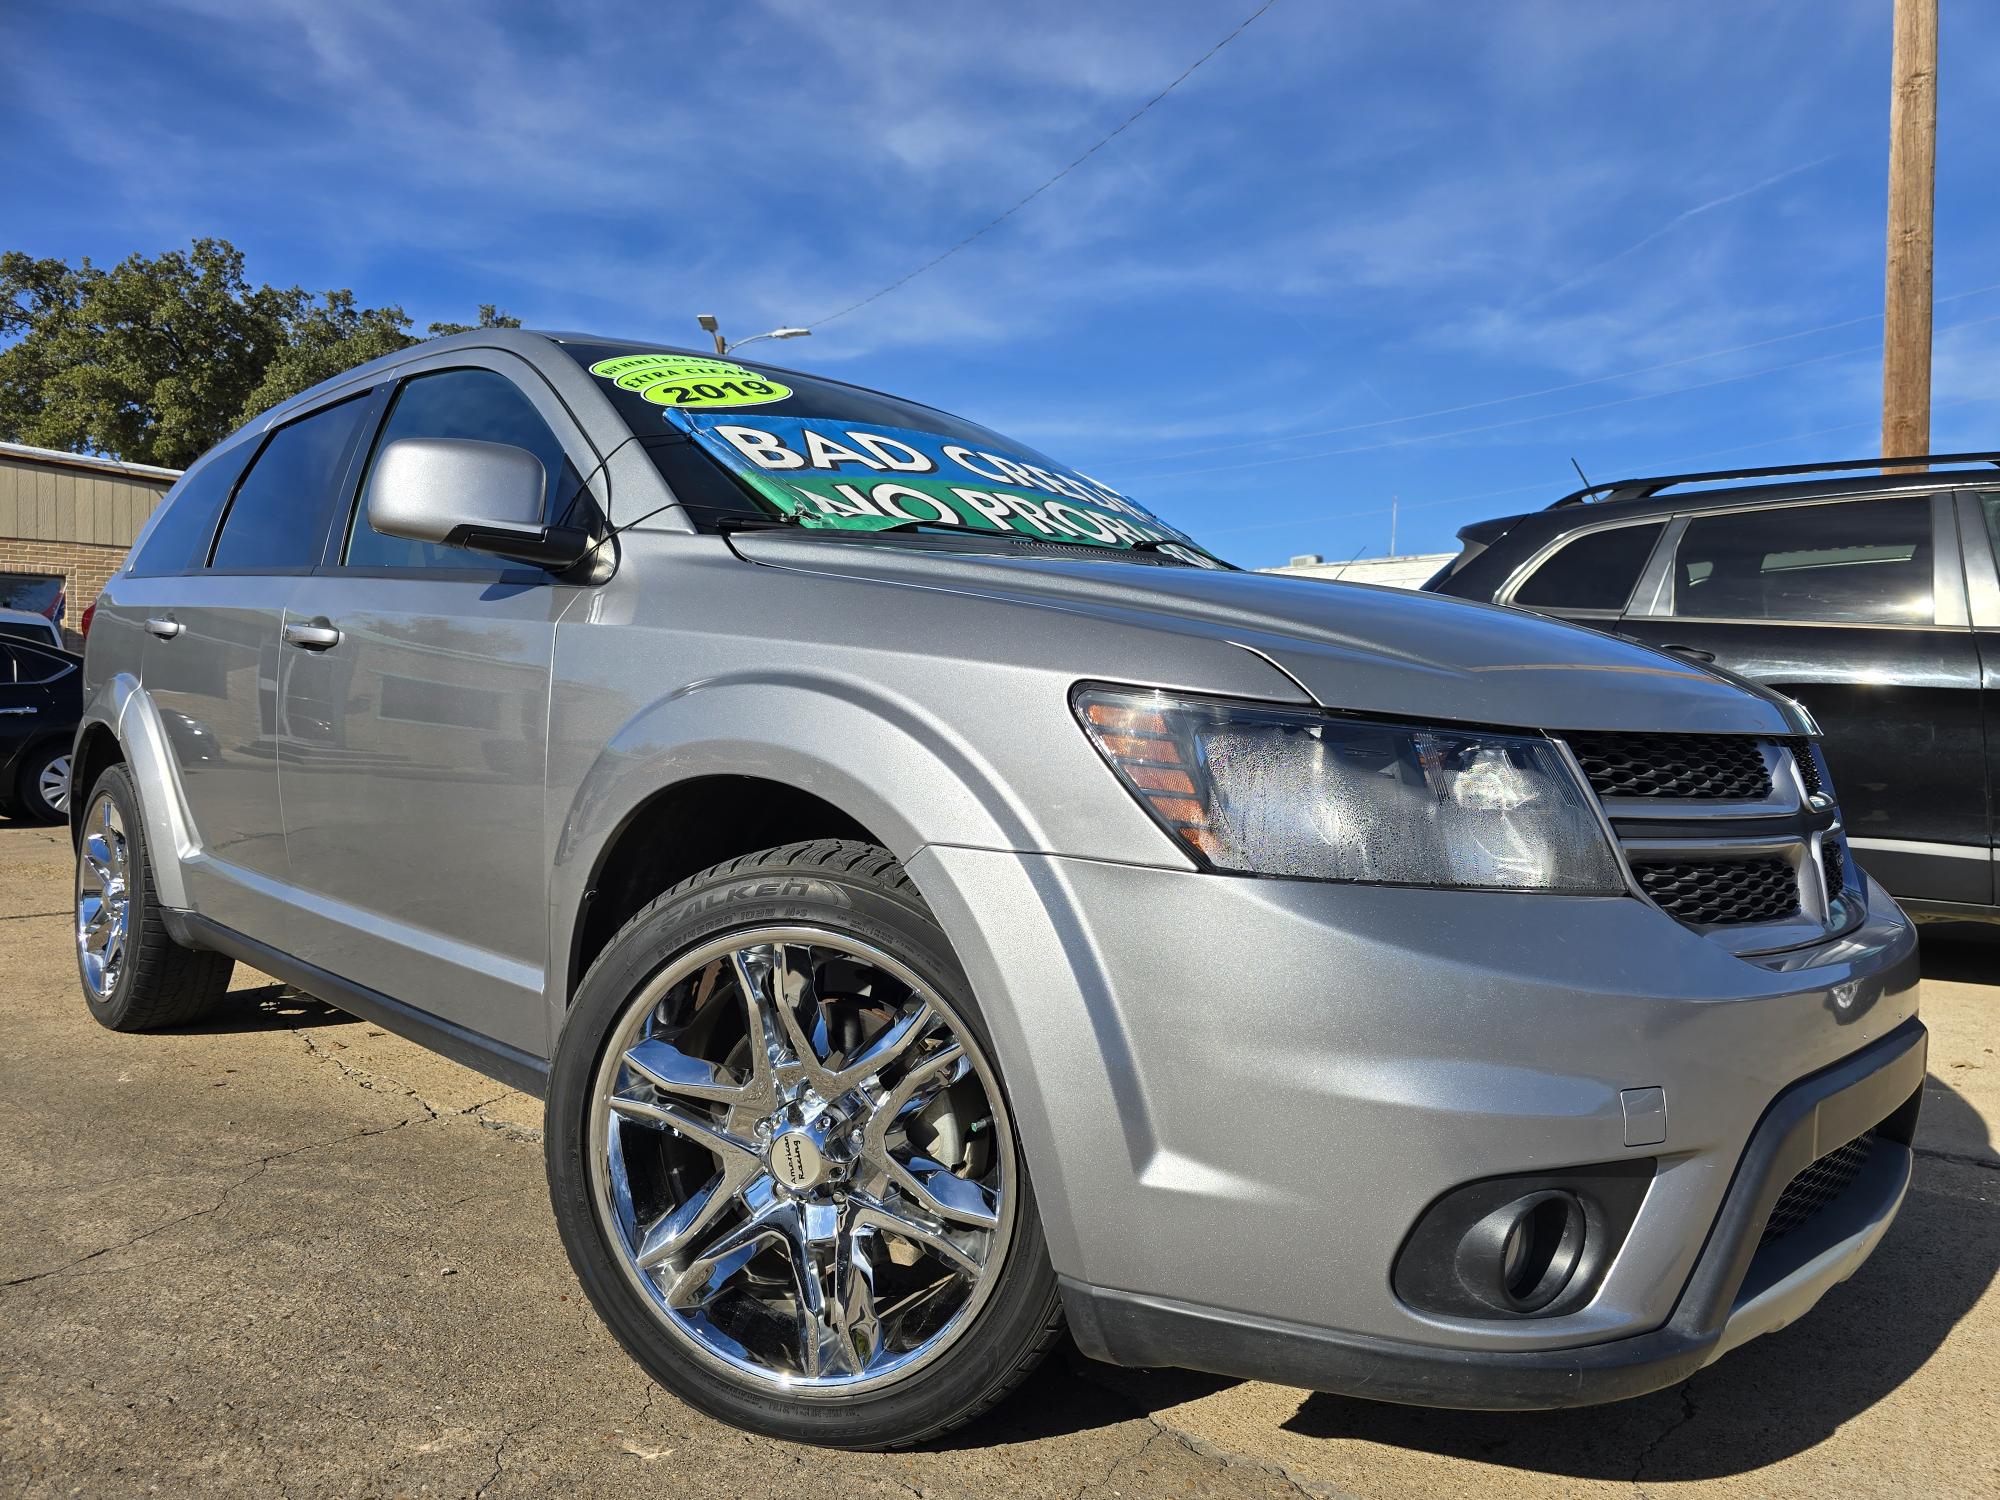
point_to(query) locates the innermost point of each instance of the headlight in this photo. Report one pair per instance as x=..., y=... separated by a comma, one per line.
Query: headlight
x=1278, y=791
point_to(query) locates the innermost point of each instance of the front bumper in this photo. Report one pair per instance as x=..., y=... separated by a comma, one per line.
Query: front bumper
x=1237, y=1097
x=1740, y=1289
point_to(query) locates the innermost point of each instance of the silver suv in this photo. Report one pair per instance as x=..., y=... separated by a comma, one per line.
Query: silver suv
x=941, y=903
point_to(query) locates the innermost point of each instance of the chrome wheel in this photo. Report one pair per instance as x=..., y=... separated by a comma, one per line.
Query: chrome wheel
x=803, y=1160
x=103, y=901
x=53, y=783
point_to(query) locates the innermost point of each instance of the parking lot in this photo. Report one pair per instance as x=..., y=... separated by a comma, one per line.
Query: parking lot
x=288, y=1253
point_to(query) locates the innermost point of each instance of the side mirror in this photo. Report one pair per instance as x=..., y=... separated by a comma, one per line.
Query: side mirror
x=485, y=497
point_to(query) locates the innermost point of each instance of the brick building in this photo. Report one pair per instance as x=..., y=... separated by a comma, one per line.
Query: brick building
x=73, y=515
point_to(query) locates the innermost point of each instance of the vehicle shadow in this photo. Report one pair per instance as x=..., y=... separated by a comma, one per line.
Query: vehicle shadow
x=268, y=1007
x=1963, y=952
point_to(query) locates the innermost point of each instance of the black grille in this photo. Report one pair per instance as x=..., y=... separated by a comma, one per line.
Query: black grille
x=1835, y=863
x=1817, y=1186
x=1723, y=892
x=1673, y=765
x=1802, y=752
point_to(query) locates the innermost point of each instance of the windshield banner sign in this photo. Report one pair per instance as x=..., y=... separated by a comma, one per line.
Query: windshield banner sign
x=856, y=477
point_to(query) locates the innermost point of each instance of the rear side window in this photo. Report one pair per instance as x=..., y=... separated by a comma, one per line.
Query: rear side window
x=178, y=539
x=24, y=664
x=1595, y=571
x=479, y=404
x=1855, y=561
x=277, y=523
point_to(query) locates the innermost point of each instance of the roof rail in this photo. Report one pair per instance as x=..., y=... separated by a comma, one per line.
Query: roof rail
x=1639, y=489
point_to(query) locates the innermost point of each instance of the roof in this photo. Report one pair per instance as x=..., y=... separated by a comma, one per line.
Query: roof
x=90, y=462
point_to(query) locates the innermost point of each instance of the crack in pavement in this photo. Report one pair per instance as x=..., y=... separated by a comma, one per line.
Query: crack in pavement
x=1202, y=1448
x=257, y=1169
x=382, y=1084
x=507, y=1437
x=1687, y=1414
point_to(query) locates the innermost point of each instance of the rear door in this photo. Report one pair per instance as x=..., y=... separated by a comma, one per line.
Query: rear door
x=26, y=708
x=210, y=665
x=415, y=701
x=1857, y=608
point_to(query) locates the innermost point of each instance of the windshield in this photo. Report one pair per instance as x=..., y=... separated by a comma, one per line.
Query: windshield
x=837, y=458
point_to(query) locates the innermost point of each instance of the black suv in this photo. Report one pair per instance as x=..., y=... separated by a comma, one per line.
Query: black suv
x=1870, y=598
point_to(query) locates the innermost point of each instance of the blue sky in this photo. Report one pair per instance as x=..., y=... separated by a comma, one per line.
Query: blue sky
x=1422, y=251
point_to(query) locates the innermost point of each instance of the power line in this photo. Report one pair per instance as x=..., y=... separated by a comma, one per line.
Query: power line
x=1571, y=411
x=996, y=223
x=1552, y=390
x=1551, y=489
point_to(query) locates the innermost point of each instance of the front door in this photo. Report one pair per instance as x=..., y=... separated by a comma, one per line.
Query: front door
x=414, y=695
x=1856, y=608
x=211, y=662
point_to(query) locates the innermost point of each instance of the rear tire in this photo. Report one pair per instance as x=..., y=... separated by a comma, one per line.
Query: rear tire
x=831, y=931
x=135, y=976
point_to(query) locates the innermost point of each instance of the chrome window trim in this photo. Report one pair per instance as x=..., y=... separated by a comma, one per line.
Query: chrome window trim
x=1920, y=846
x=1526, y=570
x=1976, y=559
x=1948, y=602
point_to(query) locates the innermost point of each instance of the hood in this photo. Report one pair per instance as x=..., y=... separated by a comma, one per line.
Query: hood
x=1352, y=647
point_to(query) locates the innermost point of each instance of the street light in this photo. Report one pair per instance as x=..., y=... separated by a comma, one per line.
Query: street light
x=723, y=346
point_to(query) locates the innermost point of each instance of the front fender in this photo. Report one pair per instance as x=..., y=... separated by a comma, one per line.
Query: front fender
x=121, y=705
x=897, y=770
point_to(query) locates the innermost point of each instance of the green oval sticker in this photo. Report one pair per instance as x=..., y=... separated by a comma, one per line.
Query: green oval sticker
x=690, y=380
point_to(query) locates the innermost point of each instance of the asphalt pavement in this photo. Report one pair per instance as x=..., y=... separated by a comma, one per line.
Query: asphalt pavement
x=287, y=1253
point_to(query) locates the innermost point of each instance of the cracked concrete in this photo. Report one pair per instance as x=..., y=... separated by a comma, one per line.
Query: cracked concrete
x=288, y=1253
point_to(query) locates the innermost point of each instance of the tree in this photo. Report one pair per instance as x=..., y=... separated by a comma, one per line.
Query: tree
x=157, y=359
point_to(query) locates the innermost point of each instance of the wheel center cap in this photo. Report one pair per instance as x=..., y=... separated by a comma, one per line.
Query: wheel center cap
x=796, y=1159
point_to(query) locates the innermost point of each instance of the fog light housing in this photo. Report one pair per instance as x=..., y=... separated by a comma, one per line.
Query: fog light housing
x=1521, y=1256
x=1525, y=1246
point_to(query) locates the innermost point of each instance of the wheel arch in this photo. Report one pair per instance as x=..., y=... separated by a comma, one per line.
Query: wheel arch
x=798, y=754
x=120, y=725
x=95, y=748
x=682, y=829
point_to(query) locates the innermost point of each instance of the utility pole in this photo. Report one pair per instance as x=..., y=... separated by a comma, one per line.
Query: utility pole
x=1394, y=500
x=1906, y=321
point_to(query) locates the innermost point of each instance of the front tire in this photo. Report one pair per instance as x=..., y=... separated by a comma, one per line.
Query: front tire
x=782, y=1160
x=135, y=976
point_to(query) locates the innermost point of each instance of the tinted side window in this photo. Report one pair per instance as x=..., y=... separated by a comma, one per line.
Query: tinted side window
x=1596, y=571
x=23, y=664
x=179, y=537
x=479, y=404
x=277, y=522
x=1852, y=561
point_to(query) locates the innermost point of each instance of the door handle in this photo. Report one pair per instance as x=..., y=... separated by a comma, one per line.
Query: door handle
x=319, y=635
x=1692, y=653
x=166, y=627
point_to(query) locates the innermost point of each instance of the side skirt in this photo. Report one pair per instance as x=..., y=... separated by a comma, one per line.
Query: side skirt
x=497, y=1060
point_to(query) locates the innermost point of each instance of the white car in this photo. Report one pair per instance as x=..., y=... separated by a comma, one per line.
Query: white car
x=31, y=625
